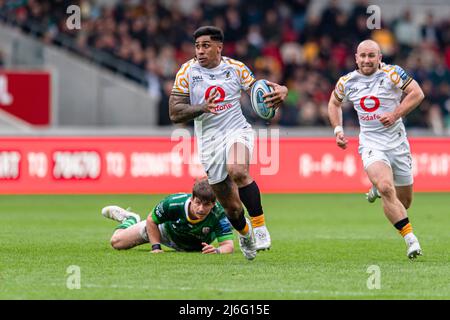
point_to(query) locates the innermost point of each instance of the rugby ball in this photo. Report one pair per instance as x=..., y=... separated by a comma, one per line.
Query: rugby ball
x=259, y=89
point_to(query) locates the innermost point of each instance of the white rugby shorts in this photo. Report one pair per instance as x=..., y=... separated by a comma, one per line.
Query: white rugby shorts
x=214, y=153
x=165, y=239
x=398, y=158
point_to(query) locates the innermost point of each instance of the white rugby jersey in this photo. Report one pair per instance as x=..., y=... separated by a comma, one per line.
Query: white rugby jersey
x=371, y=97
x=229, y=78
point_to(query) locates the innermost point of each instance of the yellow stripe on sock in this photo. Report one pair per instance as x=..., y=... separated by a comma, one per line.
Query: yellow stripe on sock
x=406, y=229
x=245, y=230
x=258, y=221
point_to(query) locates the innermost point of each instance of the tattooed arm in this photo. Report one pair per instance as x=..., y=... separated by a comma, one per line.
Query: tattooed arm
x=180, y=109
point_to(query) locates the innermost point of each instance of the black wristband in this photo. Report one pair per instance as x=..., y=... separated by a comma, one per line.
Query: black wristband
x=156, y=246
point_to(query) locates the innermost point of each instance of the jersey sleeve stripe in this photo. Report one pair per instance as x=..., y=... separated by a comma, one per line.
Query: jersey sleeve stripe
x=403, y=87
x=225, y=237
x=337, y=97
x=176, y=93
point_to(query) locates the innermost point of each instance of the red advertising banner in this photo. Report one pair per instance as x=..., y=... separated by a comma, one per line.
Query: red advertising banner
x=26, y=95
x=159, y=165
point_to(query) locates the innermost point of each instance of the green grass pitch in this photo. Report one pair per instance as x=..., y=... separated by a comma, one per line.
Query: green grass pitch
x=322, y=247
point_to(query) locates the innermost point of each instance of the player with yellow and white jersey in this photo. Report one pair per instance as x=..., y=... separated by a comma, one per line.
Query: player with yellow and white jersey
x=375, y=90
x=208, y=90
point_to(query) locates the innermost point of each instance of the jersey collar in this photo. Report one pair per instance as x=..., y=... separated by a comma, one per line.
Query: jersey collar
x=215, y=68
x=186, y=212
x=371, y=76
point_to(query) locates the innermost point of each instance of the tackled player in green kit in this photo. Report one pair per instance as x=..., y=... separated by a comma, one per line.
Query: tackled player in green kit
x=182, y=221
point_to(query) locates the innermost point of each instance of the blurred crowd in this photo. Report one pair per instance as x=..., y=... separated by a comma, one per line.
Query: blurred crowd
x=277, y=40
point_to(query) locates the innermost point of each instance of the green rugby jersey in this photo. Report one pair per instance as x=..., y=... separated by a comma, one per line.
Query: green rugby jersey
x=173, y=211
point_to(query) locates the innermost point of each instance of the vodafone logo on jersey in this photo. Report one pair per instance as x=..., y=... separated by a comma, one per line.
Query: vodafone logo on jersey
x=218, y=100
x=369, y=103
x=221, y=93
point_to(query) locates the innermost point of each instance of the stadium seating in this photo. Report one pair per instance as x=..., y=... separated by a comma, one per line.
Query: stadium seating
x=287, y=41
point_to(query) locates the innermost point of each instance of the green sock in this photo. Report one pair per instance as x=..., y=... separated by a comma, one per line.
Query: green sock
x=128, y=222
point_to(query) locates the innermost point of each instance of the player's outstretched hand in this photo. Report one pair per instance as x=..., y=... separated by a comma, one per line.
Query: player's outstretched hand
x=210, y=104
x=341, y=141
x=388, y=119
x=207, y=248
x=277, y=96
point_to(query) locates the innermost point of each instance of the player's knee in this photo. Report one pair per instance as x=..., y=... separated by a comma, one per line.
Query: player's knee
x=116, y=242
x=233, y=209
x=235, y=214
x=407, y=202
x=238, y=174
x=386, y=188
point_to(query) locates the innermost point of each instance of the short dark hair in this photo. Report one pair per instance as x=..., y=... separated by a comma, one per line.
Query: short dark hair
x=215, y=33
x=203, y=191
